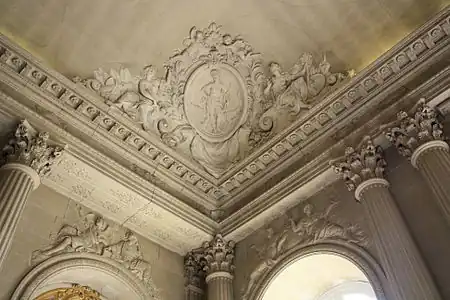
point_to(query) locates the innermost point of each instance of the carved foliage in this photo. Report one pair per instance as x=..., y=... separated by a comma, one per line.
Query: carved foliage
x=219, y=255
x=194, y=265
x=31, y=148
x=214, y=102
x=94, y=235
x=411, y=130
x=360, y=164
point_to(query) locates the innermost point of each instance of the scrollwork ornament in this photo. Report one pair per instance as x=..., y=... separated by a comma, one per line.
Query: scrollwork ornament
x=76, y=292
x=214, y=102
x=31, y=148
x=410, y=131
x=360, y=164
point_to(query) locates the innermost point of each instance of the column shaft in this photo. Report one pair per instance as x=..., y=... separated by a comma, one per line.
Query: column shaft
x=434, y=165
x=399, y=255
x=15, y=185
x=193, y=293
x=220, y=286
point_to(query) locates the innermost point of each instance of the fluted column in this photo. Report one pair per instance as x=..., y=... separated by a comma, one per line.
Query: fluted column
x=25, y=158
x=363, y=171
x=219, y=268
x=419, y=137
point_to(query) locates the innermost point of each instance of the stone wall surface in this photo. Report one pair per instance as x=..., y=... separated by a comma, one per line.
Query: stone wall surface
x=45, y=213
x=418, y=207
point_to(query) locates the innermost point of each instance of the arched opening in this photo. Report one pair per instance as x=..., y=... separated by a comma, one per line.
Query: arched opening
x=320, y=276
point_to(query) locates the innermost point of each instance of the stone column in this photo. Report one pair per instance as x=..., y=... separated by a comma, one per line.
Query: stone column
x=419, y=137
x=24, y=159
x=194, y=275
x=363, y=171
x=219, y=268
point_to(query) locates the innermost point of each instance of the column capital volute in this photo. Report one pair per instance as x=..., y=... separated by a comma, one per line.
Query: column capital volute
x=411, y=130
x=194, y=265
x=31, y=148
x=359, y=164
x=219, y=255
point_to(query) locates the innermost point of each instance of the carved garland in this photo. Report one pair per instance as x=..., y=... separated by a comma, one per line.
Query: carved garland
x=430, y=39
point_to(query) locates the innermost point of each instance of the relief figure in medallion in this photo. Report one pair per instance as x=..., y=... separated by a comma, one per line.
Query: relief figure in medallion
x=215, y=102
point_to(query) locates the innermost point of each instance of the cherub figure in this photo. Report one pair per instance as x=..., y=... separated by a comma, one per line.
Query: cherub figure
x=71, y=239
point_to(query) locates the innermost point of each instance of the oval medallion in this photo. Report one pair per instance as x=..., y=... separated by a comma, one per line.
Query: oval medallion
x=215, y=102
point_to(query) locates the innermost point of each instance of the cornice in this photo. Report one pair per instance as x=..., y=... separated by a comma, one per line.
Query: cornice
x=315, y=176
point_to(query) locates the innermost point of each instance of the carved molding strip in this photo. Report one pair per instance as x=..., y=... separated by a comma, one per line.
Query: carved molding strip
x=90, y=111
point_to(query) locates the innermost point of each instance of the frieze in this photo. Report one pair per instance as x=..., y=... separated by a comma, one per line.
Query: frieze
x=89, y=110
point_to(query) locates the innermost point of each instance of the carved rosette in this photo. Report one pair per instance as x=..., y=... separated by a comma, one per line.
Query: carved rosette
x=408, y=132
x=360, y=164
x=193, y=269
x=219, y=255
x=31, y=148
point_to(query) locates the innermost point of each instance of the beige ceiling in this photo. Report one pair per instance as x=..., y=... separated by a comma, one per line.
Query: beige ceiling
x=76, y=37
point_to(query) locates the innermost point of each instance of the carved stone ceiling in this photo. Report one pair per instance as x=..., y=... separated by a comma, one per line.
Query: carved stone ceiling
x=251, y=95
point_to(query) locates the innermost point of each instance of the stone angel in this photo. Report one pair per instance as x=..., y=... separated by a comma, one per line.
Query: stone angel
x=89, y=237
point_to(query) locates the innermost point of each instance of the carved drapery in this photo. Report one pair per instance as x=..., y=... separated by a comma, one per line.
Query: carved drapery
x=362, y=169
x=419, y=137
x=25, y=158
x=93, y=234
x=76, y=292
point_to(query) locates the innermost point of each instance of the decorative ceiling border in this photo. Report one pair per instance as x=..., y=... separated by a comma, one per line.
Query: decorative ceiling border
x=87, y=110
x=317, y=175
x=394, y=64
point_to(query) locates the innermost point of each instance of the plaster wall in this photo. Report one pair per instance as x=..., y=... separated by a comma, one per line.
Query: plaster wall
x=44, y=214
x=414, y=198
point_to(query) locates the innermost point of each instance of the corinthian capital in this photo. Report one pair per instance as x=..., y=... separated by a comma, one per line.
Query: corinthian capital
x=31, y=148
x=360, y=164
x=219, y=255
x=410, y=131
x=193, y=268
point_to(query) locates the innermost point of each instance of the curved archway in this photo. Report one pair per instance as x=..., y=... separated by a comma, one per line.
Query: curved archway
x=109, y=278
x=362, y=275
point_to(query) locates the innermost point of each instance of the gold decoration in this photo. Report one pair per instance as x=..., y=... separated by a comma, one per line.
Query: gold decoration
x=76, y=292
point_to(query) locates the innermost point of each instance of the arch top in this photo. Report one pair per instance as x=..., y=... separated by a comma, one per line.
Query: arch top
x=70, y=271
x=360, y=265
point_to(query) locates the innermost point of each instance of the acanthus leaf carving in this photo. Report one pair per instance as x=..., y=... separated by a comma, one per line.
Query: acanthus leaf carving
x=221, y=79
x=359, y=164
x=411, y=130
x=76, y=292
x=93, y=234
x=219, y=255
x=31, y=148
